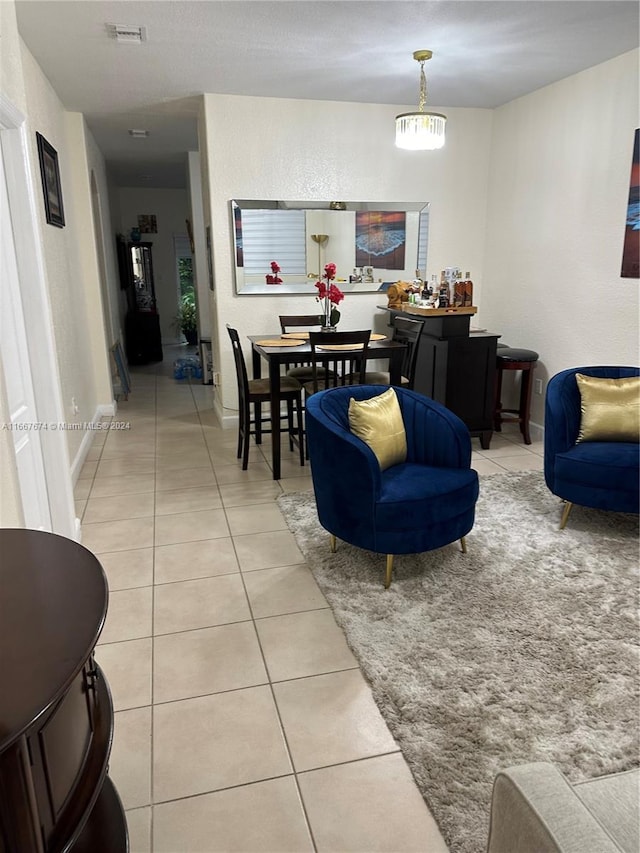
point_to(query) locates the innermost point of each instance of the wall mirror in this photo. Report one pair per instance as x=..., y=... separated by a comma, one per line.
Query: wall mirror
x=372, y=244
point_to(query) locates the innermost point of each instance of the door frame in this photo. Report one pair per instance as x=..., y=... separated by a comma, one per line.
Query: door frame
x=38, y=317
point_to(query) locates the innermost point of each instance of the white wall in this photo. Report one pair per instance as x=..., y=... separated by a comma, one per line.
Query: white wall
x=116, y=301
x=334, y=151
x=72, y=285
x=12, y=86
x=171, y=208
x=96, y=312
x=67, y=301
x=558, y=190
x=200, y=267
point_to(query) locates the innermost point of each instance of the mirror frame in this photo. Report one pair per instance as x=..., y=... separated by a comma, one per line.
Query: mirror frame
x=382, y=278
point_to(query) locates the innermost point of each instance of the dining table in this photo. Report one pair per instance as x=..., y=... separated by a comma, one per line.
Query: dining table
x=275, y=356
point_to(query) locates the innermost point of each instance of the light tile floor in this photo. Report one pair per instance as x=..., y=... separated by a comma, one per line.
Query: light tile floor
x=242, y=720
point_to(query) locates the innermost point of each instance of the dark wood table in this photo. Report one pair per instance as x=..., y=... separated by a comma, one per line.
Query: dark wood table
x=277, y=356
x=56, y=713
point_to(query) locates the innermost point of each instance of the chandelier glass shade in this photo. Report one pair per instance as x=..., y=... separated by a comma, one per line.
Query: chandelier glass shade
x=421, y=131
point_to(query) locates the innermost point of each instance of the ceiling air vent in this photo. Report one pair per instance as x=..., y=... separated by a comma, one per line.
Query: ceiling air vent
x=138, y=134
x=127, y=34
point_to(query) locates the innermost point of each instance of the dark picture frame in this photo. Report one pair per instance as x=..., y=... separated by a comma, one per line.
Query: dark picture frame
x=210, y=259
x=50, y=174
x=631, y=247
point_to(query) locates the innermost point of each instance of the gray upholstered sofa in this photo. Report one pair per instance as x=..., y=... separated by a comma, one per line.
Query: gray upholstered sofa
x=535, y=809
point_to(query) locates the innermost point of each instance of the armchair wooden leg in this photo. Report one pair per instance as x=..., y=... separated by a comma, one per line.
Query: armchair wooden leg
x=387, y=580
x=463, y=544
x=565, y=514
x=333, y=544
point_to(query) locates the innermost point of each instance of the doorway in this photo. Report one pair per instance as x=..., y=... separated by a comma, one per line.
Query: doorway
x=29, y=359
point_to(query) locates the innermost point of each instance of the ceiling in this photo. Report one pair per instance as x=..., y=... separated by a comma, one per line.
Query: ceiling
x=486, y=53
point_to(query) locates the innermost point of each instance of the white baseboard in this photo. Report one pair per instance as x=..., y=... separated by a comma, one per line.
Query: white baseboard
x=225, y=420
x=103, y=410
x=536, y=431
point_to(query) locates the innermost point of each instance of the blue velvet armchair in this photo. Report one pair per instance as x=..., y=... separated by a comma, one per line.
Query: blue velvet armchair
x=418, y=505
x=596, y=474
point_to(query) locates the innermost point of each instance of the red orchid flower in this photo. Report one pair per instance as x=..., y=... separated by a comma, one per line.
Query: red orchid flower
x=335, y=294
x=275, y=267
x=330, y=271
x=322, y=289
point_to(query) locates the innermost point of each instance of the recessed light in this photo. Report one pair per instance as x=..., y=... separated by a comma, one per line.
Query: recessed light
x=138, y=134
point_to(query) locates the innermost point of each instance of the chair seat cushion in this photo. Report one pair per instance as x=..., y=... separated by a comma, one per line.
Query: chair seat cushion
x=261, y=386
x=324, y=384
x=304, y=373
x=382, y=378
x=600, y=464
x=507, y=354
x=419, y=495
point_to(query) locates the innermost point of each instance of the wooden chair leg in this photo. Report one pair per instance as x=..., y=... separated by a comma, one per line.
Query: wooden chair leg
x=525, y=402
x=301, y=447
x=332, y=543
x=246, y=436
x=463, y=544
x=257, y=414
x=290, y=427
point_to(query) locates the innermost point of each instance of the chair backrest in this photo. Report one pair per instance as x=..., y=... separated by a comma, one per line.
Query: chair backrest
x=408, y=332
x=308, y=321
x=241, y=367
x=342, y=363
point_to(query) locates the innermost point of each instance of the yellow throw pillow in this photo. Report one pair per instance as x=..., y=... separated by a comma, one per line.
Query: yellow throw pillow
x=378, y=422
x=610, y=408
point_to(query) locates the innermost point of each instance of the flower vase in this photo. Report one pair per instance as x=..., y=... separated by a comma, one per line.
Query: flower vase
x=326, y=321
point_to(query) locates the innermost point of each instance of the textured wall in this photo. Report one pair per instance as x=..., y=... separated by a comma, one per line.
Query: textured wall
x=65, y=271
x=279, y=148
x=558, y=189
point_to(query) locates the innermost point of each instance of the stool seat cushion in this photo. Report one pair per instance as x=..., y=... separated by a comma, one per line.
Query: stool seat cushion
x=514, y=354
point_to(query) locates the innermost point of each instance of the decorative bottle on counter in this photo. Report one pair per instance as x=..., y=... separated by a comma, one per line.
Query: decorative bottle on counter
x=468, y=290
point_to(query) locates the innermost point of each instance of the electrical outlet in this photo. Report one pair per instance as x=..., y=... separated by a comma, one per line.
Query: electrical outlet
x=537, y=385
x=216, y=379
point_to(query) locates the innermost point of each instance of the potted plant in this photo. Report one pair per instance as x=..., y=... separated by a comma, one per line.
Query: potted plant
x=186, y=319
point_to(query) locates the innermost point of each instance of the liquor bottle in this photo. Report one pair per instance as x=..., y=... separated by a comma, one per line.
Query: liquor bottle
x=468, y=289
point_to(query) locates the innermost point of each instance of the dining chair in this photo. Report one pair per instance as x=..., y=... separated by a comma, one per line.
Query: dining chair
x=296, y=322
x=339, y=364
x=256, y=392
x=408, y=332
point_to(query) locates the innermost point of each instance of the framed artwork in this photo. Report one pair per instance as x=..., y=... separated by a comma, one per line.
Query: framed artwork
x=380, y=239
x=631, y=249
x=147, y=224
x=50, y=174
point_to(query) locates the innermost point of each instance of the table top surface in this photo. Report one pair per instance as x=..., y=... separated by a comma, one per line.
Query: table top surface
x=53, y=603
x=375, y=348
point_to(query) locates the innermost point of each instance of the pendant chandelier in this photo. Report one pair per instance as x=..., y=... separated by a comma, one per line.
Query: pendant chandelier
x=420, y=131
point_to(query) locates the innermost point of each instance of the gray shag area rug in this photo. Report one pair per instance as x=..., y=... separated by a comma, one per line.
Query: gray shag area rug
x=524, y=649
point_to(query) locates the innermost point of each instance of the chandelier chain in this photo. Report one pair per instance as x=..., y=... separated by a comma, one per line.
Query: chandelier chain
x=423, y=89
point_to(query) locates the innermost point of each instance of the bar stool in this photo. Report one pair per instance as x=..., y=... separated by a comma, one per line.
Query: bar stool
x=510, y=358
